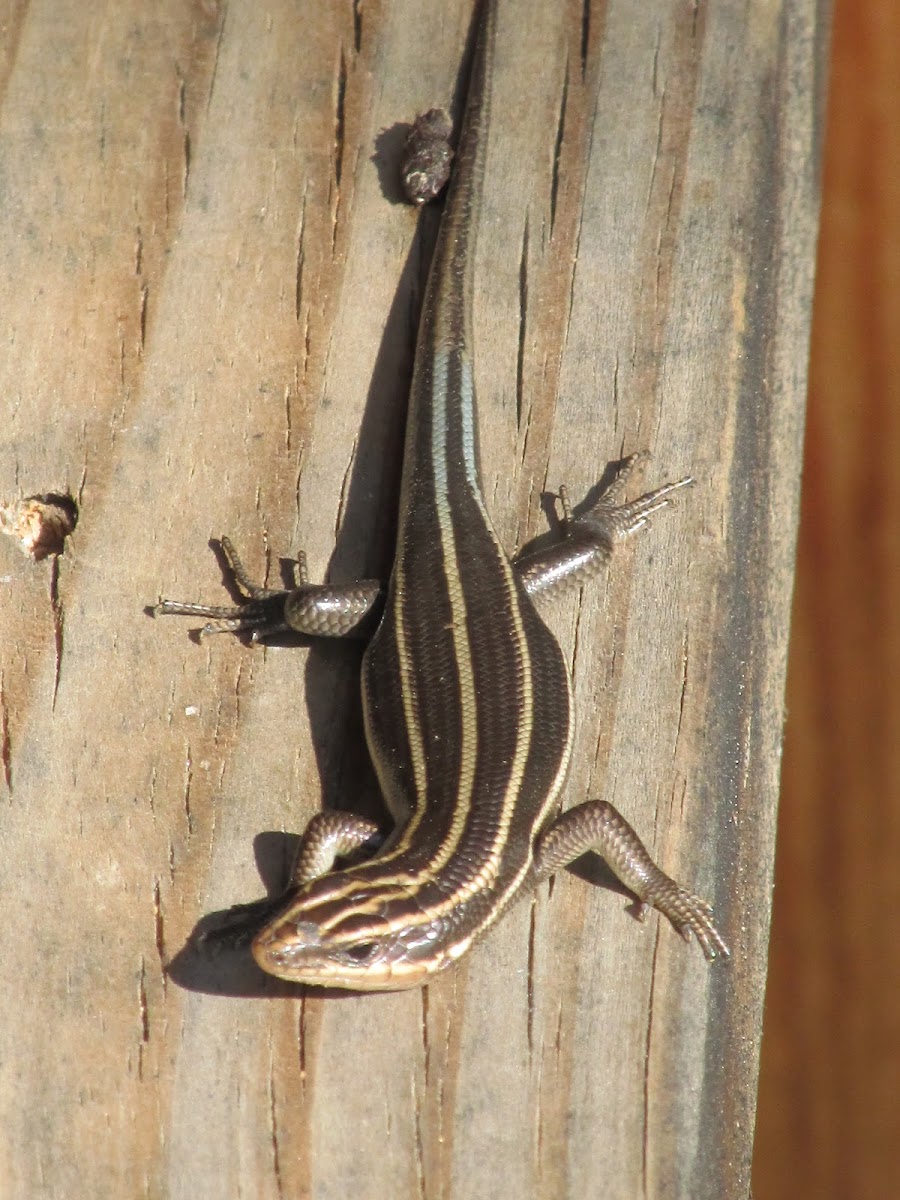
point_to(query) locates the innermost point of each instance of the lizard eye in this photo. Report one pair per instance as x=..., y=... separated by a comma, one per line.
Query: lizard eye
x=362, y=951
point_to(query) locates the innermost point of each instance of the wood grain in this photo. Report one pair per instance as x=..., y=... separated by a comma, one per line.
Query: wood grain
x=209, y=299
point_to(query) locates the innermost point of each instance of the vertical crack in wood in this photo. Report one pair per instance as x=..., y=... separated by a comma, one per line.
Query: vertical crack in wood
x=144, y=1005
x=418, y=1147
x=685, y=645
x=288, y=424
x=345, y=488
x=532, y=943
x=58, y=626
x=300, y=264
x=420, y=1152
x=273, y=1122
x=142, y=320
x=298, y=476
x=5, y=742
x=426, y=1046
x=558, y=145
x=159, y=935
x=340, y=97
x=238, y=679
x=185, y=133
x=654, y=70
x=523, y=324
x=573, y=273
x=144, y=1017
x=216, y=54
x=186, y=790
x=576, y=633
x=301, y=1040
x=585, y=35
x=657, y=152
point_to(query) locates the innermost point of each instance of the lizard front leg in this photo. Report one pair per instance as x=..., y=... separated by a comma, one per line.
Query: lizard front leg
x=317, y=610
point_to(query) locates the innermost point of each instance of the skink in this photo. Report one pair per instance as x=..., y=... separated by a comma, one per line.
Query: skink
x=466, y=693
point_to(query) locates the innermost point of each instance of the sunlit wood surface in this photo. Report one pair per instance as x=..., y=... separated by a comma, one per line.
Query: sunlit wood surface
x=208, y=296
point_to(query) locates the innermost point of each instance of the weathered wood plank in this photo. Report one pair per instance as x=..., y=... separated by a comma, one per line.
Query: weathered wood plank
x=209, y=306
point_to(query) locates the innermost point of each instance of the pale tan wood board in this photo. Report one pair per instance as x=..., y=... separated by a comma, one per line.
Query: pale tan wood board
x=209, y=298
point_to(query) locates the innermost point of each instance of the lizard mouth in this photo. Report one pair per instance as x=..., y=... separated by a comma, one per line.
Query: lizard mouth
x=295, y=951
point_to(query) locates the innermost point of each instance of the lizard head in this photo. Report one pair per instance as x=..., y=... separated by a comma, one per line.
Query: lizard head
x=345, y=932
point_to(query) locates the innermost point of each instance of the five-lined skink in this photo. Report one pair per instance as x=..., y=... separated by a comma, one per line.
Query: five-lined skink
x=466, y=693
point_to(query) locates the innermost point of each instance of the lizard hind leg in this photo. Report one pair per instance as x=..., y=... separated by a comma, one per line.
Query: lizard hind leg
x=597, y=825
